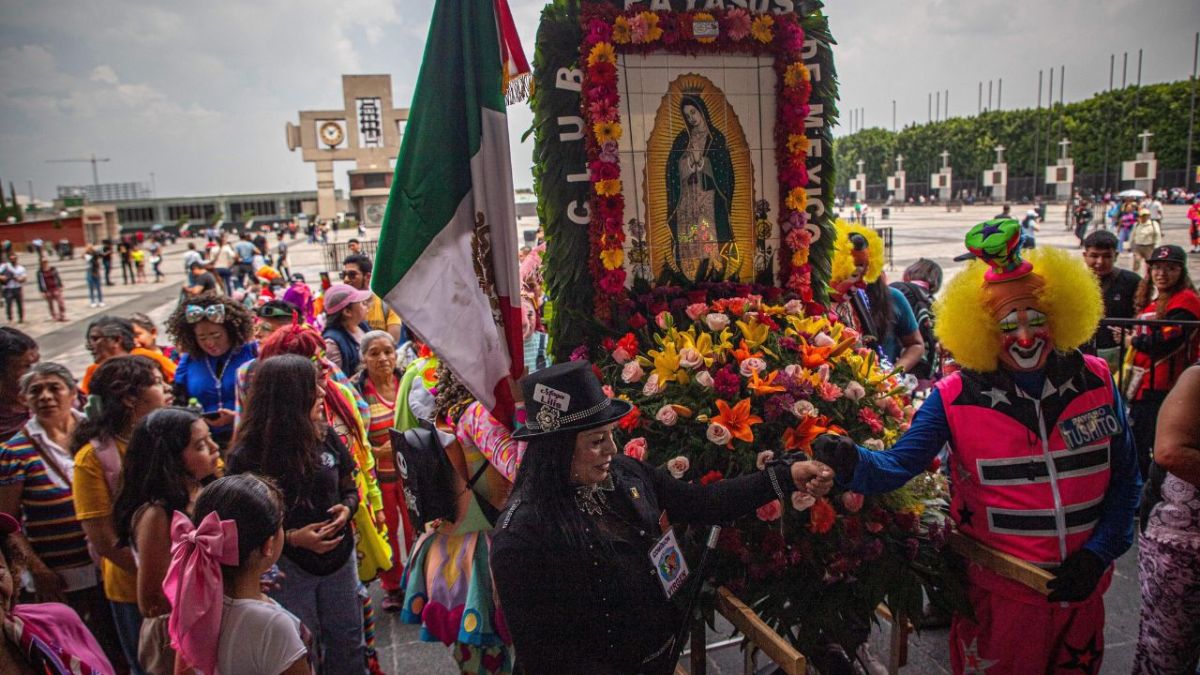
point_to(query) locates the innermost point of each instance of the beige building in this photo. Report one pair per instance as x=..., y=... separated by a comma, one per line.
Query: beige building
x=367, y=131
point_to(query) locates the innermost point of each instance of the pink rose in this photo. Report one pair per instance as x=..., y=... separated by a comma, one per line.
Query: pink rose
x=704, y=379
x=636, y=449
x=752, y=365
x=802, y=500
x=854, y=391
x=608, y=391
x=690, y=358
x=679, y=466
x=667, y=416
x=664, y=320
x=794, y=307
x=802, y=409
x=823, y=340
x=632, y=372
x=852, y=501
x=890, y=408
x=620, y=355
x=762, y=459
x=793, y=370
x=770, y=512
x=718, y=434
x=717, y=321
x=823, y=372
x=830, y=391
x=652, y=386
x=697, y=310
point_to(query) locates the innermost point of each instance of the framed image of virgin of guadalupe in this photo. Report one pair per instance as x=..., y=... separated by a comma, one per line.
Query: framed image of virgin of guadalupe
x=699, y=186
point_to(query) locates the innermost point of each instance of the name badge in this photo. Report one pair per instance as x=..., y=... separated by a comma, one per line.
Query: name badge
x=1090, y=427
x=669, y=566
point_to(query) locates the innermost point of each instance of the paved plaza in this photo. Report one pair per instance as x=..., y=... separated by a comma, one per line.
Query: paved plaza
x=918, y=231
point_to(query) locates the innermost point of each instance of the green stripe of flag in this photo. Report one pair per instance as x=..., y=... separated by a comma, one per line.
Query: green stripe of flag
x=460, y=74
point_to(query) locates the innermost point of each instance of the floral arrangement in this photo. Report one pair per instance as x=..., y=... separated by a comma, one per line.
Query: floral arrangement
x=722, y=387
x=608, y=31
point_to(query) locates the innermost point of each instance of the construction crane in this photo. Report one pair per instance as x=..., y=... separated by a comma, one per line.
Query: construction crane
x=93, y=160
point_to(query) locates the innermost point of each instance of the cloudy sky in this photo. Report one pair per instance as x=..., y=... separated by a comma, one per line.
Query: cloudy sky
x=198, y=92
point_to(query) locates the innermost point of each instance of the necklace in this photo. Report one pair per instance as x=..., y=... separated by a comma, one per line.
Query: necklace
x=218, y=376
x=592, y=499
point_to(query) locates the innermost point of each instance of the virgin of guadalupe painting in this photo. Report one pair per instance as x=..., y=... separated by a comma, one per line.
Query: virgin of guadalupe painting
x=699, y=186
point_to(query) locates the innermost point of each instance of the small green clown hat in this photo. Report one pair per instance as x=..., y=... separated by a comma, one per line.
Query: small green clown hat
x=998, y=243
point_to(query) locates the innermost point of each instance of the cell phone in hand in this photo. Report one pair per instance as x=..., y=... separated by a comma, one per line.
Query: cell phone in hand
x=211, y=415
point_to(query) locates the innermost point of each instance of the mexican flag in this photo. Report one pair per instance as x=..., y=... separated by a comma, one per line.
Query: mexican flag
x=447, y=254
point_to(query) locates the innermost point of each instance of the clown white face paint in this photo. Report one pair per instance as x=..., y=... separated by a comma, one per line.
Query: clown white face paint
x=1025, y=342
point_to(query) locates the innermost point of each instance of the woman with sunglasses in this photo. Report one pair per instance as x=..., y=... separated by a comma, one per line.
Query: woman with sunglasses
x=214, y=334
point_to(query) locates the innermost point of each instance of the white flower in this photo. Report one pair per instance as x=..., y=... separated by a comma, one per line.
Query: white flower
x=854, y=391
x=690, y=358
x=802, y=409
x=794, y=307
x=762, y=459
x=823, y=340
x=632, y=372
x=802, y=500
x=652, y=386
x=752, y=365
x=716, y=321
x=679, y=466
x=667, y=415
x=873, y=444
x=718, y=434
x=704, y=379
x=793, y=370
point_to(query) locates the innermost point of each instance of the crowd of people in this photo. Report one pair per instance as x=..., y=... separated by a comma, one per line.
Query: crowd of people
x=219, y=501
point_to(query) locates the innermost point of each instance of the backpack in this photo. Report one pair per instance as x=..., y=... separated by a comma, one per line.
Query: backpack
x=922, y=306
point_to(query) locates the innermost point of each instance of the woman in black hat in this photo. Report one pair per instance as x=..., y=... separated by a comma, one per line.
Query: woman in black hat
x=571, y=557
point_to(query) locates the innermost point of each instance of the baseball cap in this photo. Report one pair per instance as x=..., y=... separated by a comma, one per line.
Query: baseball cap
x=1168, y=253
x=340, y=296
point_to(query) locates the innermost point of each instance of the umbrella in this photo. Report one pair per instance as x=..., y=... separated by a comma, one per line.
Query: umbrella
x=1131, y=194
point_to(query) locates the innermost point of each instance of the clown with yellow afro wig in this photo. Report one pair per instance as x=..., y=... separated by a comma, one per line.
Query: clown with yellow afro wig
x=1053, y=282
x=857, y=257
x=1042, y=458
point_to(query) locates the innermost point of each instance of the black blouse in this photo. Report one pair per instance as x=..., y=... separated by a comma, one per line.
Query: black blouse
x=600, y=608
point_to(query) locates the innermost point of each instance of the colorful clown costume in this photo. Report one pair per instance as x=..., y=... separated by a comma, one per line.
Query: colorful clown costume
x=1042, y=458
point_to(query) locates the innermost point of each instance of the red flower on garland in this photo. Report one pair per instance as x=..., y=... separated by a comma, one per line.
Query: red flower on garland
x=630, y=421
x=821, y=517
x=711, y=477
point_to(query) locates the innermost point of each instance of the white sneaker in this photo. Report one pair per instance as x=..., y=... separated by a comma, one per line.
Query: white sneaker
x=102, y=305
x=91, y=304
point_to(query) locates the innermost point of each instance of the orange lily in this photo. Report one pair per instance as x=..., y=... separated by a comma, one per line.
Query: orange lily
x=762, y=387
x=804, y=433
x=743, y=352
x=813, y=357
x=737, y=420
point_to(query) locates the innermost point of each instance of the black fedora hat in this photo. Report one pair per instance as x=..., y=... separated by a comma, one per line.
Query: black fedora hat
x=567, y=397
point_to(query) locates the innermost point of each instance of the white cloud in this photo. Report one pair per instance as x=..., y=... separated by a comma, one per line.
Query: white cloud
x=199, y=92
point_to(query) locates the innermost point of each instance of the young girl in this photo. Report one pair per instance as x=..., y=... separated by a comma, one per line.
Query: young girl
x=124, y=390
x=170, y=454
x=221, y=623
x=284, y=435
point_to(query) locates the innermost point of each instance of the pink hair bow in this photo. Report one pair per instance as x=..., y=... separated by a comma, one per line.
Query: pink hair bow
x=194, y=586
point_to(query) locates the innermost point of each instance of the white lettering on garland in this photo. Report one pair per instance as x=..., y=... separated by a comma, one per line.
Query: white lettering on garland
x=809, y=50
x=756, y=6
x=815, y=119
x=577, y=177
x=570, y=79
x=580, y=215
x=570, y=120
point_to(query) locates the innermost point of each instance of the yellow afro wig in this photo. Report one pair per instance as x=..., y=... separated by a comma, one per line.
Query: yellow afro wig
x=843, y=259
x=1069, y=296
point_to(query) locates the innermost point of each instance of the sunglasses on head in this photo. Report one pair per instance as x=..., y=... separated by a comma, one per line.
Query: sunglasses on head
x=276, y=313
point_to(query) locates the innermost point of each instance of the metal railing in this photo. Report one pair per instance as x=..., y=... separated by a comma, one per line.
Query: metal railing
x=1115, y=349
x=336, y=252
x=888, y=250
